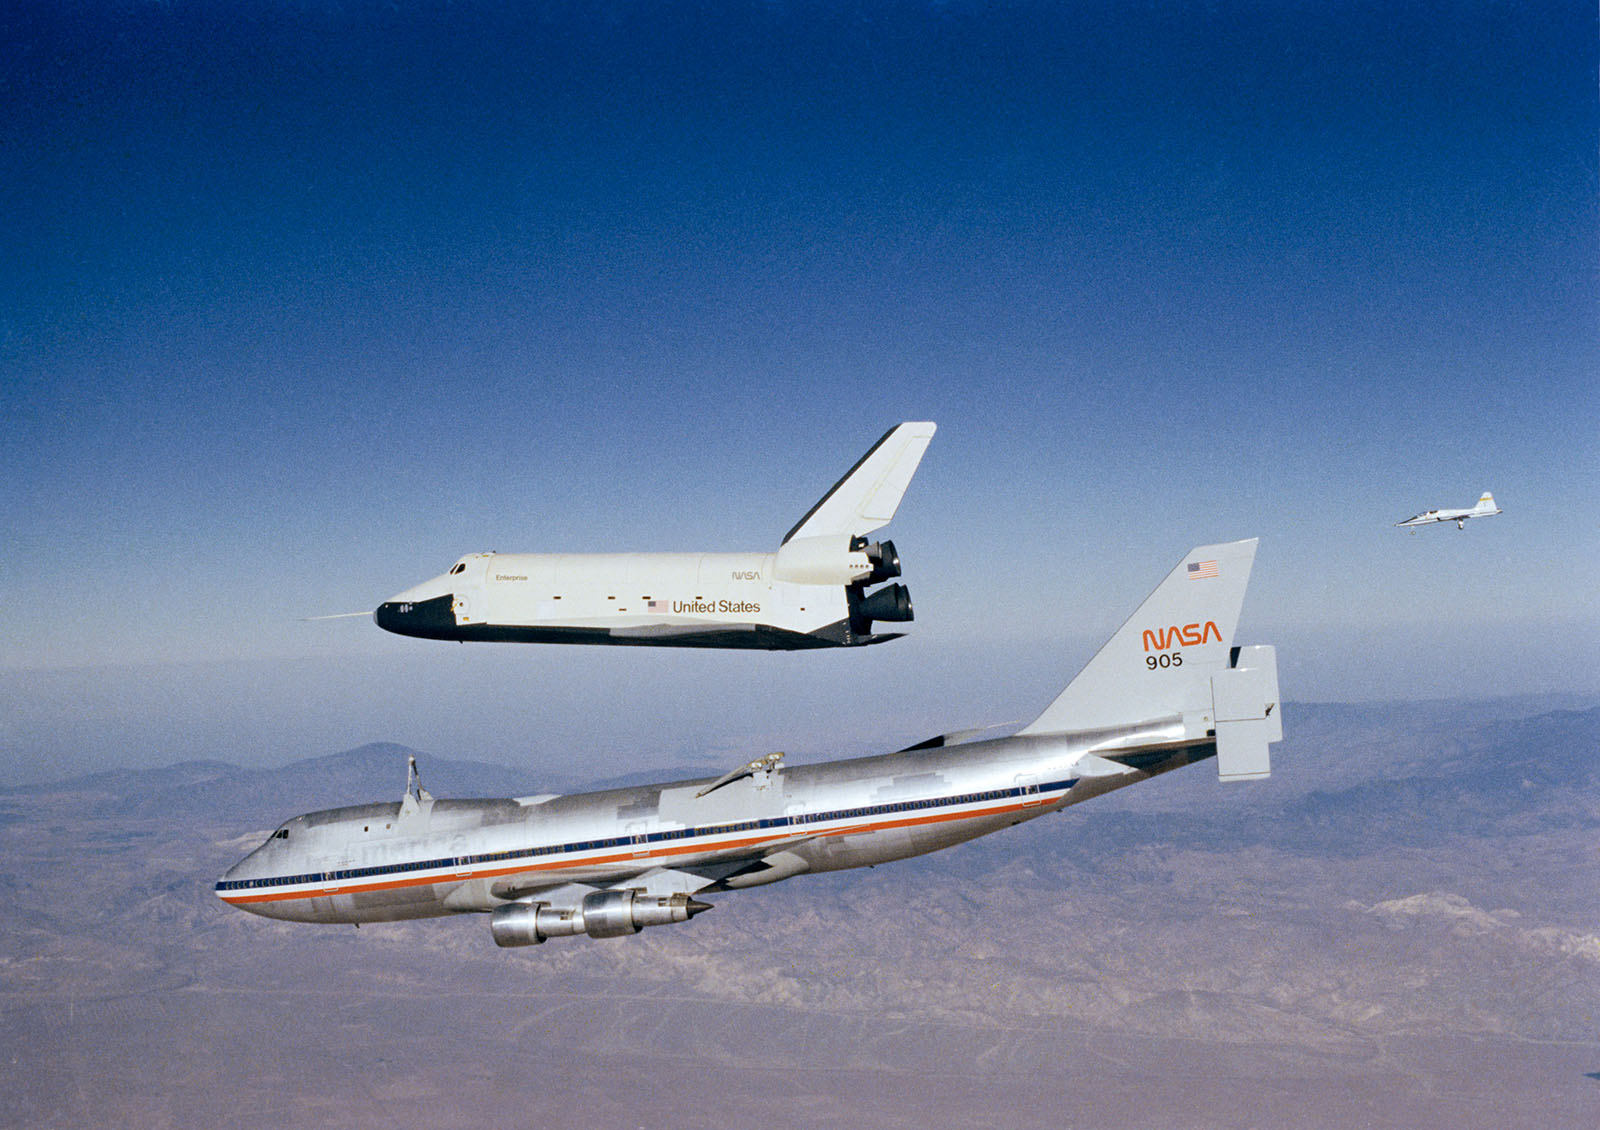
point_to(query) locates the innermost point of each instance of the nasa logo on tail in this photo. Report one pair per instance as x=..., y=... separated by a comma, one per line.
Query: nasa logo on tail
x=1160, y=639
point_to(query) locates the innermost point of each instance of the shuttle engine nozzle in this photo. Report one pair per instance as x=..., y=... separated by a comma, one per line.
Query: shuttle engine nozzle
x=893, y=603
x=885, y=562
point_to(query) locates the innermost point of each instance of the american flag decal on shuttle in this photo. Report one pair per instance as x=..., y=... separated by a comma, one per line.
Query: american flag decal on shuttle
x=1199, y=569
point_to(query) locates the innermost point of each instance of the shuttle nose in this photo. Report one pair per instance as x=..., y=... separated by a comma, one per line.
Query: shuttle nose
x=428, y=619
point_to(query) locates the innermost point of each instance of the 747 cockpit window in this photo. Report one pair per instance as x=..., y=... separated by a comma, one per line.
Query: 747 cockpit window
x=460, y=565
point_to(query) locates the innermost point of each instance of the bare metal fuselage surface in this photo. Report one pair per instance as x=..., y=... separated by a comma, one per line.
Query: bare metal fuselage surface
x=385, y=862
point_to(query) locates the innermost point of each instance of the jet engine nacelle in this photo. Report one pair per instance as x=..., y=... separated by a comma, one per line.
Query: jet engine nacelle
x=603, y=914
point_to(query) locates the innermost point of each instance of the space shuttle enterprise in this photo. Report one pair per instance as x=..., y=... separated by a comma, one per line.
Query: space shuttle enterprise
x=810, y=593
x=1168, y=690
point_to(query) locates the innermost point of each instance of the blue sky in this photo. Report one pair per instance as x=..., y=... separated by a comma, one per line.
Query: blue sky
x=302, y=302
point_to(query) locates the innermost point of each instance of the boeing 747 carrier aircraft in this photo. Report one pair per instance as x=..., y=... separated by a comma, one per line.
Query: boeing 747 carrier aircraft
x=811, y=593
x=1168, y=690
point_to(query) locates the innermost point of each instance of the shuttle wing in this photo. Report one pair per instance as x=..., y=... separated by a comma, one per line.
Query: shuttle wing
x=867, y=497
x=671, y=631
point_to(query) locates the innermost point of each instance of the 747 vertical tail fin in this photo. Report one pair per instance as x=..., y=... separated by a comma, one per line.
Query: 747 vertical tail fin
x=1174, y=659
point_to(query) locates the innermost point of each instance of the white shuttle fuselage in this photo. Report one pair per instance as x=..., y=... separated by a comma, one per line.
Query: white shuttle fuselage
x=1169, y=689
x=811, y=592
x=676, y=599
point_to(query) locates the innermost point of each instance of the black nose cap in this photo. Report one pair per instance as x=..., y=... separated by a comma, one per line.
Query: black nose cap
x=430, y=619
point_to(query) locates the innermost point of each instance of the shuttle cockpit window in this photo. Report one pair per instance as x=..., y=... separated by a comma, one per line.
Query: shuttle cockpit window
x=281, y=834
x=460, y=565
